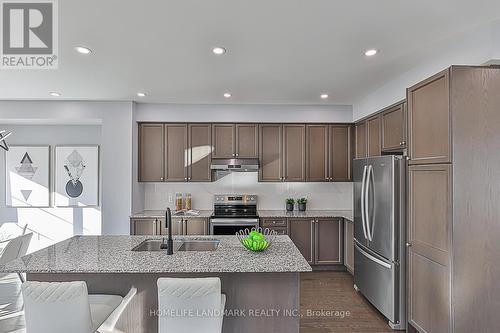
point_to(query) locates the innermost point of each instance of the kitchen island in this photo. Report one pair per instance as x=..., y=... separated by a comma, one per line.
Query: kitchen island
x=262, y=289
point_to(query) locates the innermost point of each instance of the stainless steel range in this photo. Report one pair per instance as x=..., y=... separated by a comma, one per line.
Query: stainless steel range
x=233, y=212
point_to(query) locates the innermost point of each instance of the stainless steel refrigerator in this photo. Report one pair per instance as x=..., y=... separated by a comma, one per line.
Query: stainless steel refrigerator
x=379, y=234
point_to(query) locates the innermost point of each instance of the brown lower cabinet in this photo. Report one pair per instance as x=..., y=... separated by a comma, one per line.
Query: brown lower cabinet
x=144, y=226
x=328, y=241
x=320, y=240
x=349, y=245
x=301, y=231
x=180, y=226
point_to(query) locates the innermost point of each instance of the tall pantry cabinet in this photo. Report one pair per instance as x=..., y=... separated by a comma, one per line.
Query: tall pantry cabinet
x=453, y=201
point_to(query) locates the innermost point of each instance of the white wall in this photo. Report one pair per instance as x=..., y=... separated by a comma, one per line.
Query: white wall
x=474, y=47
x=138, y=194
x=243, y=113
x=50, y=225
x=270, y=195
x=116, y=146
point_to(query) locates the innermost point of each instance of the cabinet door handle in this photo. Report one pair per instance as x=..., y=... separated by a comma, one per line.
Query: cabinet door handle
x=403, y=143
x=408, y=244
x=237, y=154
x=161, y=178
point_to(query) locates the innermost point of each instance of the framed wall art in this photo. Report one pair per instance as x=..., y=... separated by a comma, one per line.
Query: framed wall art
x=76, y=176
x=27, y=179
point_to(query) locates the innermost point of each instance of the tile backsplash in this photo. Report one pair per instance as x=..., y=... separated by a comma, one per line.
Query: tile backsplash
x=270, y=195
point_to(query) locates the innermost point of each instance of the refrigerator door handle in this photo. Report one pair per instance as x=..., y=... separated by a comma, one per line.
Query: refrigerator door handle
x=372, y=258
x=363, y=219
x=366, y=202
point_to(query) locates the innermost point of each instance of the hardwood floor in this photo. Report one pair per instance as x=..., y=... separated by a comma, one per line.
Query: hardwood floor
x=344, y=310
x=334, y=292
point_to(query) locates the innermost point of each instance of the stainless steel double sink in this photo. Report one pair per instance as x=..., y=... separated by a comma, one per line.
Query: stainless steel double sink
x=154, y=245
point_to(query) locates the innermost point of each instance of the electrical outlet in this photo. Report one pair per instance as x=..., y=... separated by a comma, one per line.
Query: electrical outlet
x=170, y=198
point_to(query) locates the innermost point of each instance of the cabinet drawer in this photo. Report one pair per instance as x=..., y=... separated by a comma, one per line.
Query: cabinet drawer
x=274, y=222
x=280, y=230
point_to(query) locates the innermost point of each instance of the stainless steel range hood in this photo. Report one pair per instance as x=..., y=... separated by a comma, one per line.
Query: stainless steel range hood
x=235, y=164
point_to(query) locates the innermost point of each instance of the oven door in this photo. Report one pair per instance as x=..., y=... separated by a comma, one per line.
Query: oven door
x=230, y=226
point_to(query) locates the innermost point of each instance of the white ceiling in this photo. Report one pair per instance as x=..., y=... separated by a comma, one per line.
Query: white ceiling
x=279, y=51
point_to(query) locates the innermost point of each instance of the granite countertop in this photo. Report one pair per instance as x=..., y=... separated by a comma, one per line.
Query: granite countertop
x=112, y=254
x=161, y=214
x=347, y=214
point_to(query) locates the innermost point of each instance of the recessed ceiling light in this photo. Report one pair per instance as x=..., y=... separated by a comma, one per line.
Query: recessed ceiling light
x=371, y=52
x=83, y=50
x=227, y=95
x=141, y=94
x=324, y=96
x=218, y=50
x=54, y=94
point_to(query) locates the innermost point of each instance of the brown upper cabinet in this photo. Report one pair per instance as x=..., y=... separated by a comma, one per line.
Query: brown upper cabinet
x=287, y=152
x=383, y=132
x=223, y=138
x=317, y=153
x=340, y=153
x=394, y=128
x=294, y=153
x=429, y=120
x=200, y=152
x=329, y=153
x=361, y=140
x=374, y=136
x=235, y=140
x=270, y=152
x=151, y=152
x=368, y=133
x=174, y=152
x=247, y=141
x=176, y=146
x=282, y=152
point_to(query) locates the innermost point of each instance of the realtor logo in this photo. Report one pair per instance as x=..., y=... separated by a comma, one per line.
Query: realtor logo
x=29, y=35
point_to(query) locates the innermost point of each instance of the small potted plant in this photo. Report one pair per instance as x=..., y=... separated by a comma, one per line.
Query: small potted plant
x=289, y=204
x=302, y=202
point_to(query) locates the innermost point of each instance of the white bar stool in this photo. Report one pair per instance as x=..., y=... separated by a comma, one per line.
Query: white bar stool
x=190, y=305
x=62, y=307
x=15, y=248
